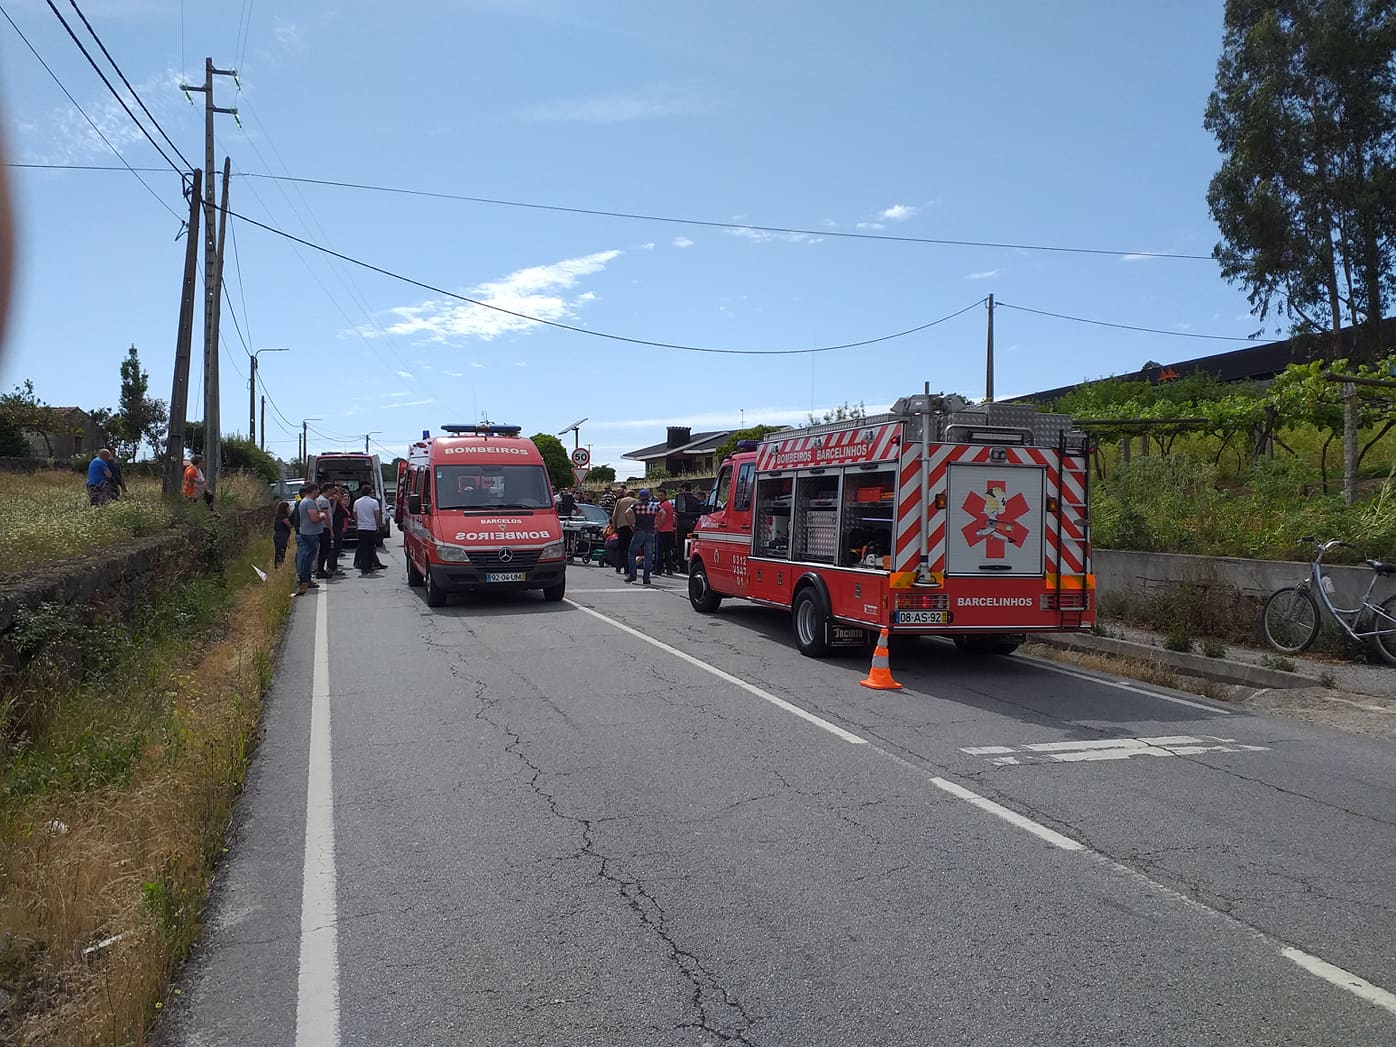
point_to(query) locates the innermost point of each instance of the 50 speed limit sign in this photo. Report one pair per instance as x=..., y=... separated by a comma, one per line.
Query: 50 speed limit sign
x=581, y=458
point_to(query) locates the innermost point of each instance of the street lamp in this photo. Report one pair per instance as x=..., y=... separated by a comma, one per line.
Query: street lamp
x=376, y=432
x=252, y=395
x=305, y=439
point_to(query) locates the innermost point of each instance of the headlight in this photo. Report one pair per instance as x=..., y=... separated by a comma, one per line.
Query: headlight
x=451, y=553
x=552, y=551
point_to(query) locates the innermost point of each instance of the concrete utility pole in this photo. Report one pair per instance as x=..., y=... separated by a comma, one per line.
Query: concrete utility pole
x=213, y=435
x=252, y=395
x=262, y=432
x=212, y=421
x=179, y=393
x=989, y=358
x=1349, y=392
x=376, y=432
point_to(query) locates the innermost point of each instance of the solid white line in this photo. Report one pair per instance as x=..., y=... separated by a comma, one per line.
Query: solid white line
x=1342, y=979
x=1042, y=663
x=317, y=995
x=765, y=696
x=1053, y=837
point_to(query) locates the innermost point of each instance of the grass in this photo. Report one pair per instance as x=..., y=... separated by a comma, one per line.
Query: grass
x=114, y=802
x=45, y=516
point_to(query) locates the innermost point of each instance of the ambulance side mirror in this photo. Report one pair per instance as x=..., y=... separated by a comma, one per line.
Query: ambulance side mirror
x=414, y=503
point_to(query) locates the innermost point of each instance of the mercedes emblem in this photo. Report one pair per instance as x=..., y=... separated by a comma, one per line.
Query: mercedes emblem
x=506, y=554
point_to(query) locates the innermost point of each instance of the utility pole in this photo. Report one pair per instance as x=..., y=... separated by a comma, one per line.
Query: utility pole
x=179, y=393
x=212, y=421
x=989, y=358
x=262, y=432
x=213, y=433
x=376, y=432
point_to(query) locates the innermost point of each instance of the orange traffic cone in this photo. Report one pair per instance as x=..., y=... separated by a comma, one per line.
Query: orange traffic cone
x=880, y=675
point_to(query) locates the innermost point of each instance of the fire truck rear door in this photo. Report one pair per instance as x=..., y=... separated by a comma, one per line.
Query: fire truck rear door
x=996, y=520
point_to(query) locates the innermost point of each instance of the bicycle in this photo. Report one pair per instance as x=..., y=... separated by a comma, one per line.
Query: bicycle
x=1291, y=618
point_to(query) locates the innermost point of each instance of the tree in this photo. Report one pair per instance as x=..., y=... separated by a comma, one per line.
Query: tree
x=140, y=417
x=12, y=441
x=1304, y=113
x=555, y=458
x=842, y=413
x=602, y=474
x=243, y=455
x=755, y=432
x=27, y=413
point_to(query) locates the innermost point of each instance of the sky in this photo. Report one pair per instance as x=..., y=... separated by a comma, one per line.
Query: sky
x=1005, y=122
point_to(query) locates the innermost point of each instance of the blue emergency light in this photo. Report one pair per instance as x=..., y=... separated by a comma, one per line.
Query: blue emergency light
x=483, y=430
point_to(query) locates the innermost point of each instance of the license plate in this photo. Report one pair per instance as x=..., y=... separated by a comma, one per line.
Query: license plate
x=919, y=617
x=504, y=576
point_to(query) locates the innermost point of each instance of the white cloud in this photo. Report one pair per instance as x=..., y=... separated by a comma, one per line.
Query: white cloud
x=871, y=225
x=619, y=107
x=65, y=136
x=532, y=292
x=761, y=236
x=987, y=274
x=647, y=247
x=477, y=365
x=682, y=241
x=287, y=34
x=1135, y=258
x=899, y=212
x=587, y=296
x=410, y=403
x=721, y=419
x=454, y=374
x=404, y=374
x=520, y=363
x=829, y=223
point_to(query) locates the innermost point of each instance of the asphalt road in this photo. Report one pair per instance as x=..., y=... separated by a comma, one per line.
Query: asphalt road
x=615, y=821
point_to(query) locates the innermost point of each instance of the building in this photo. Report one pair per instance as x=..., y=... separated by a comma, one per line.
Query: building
x=682, y=452
x=72, y=432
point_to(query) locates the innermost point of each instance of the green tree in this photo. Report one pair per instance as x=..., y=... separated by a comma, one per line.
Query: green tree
x=555, y=458
x=12, y=441
x=243, y=455
x=843, y=413
x=755, y=432
x=602, y=474
x=1304, y=114
x=27, y=413
x=140, y=417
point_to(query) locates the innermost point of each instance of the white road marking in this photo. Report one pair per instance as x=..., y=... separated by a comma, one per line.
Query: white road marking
x=1108, y=749
x=1336, y=976
x=1373, y=994
x=1043, y=663
x=317, y=993
x=765, y=696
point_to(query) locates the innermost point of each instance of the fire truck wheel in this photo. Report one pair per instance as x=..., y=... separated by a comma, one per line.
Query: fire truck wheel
x=436, y=597
x=414, y=576
x=700, y=593
x=811, y=619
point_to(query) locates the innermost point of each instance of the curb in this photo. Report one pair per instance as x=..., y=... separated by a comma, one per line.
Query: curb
x=1215, y=669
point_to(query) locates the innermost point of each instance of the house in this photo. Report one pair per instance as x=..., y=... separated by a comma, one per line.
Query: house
x=682, y=452
x=72, y=432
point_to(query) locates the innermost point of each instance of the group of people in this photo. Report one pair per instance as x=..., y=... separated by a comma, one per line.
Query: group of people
x=650, y=529
x=319, y=519
x=104, y=482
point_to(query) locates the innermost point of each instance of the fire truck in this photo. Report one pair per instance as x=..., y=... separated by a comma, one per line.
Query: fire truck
x=937, y=518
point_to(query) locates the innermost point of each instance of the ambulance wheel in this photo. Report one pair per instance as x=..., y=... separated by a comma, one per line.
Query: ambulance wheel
x=811, y=621
x=436, y=597
x=700, y=593
x=554, y=593
x=414, y=576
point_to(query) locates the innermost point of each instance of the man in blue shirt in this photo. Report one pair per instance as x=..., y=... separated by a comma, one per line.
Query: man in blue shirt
x=99, y=478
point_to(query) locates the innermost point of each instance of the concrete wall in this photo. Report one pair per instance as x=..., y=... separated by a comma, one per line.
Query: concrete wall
x=1134, y=578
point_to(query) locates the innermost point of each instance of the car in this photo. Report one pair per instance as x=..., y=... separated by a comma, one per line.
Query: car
x=594, y=513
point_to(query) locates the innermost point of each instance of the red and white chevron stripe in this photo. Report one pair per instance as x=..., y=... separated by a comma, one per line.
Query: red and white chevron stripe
x=858, y=443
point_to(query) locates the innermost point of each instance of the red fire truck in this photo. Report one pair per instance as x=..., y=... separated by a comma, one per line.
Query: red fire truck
x=936, y=518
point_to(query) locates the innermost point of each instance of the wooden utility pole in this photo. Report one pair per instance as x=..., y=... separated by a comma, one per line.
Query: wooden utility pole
x=989, y=358
x=212, y=420
x=1349, y=391
x=179, y=393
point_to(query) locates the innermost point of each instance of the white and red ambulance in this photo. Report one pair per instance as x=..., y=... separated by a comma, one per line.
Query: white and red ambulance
x=936, y=518
x=476, y=512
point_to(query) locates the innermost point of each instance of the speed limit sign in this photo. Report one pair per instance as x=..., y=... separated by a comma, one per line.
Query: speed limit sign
x=581, y=458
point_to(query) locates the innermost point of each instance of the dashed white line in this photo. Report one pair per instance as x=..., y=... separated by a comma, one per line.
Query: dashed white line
x=1373, y=994
x=1056, y=839
x=317, y=991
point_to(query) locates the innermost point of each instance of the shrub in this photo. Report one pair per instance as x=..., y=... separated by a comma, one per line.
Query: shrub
x=1178, y=639
x=1213, y=648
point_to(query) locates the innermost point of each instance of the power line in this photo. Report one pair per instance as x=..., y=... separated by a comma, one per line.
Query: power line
x=114, y=92
x=1130, y=327
x=739, y=226
x=119, y=73
x=87, y=167
x=90, y=122
x=600, y=334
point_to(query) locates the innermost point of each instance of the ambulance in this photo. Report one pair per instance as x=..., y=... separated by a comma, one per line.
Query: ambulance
x=936, y=518
x=476, y=513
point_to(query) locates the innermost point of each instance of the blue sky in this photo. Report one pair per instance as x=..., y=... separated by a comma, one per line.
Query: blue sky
x=1006, y=121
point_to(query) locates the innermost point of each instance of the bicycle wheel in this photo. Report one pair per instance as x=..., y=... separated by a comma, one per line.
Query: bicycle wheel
x=1290, y=620
x=1384, y=625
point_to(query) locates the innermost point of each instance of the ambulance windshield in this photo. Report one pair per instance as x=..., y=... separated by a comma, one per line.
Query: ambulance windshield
x=486, y=488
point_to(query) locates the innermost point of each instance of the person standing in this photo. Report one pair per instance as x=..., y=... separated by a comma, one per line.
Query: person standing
x=609, y=499
x=308, y=536
x=195, y=484
x=118, y=482
x=665, y=523
x=281, y=531
x=339, y=507
x=99, y=478
x=623, y=523
x=324, y=503
x=368, y=517
x=567, y=503
x=642, y=545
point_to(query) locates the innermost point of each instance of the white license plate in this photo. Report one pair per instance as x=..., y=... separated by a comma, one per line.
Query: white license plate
x=504, y=576
x=919, y=618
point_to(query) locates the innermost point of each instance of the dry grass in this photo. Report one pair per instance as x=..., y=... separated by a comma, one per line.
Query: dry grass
x=45, y=516
x=1144, y=672
x=133, y=859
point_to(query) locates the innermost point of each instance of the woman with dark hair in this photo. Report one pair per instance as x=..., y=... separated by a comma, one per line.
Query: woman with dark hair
x=281, y=531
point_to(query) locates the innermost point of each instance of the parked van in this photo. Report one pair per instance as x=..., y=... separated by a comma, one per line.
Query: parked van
x=476, y=512
x=352, y=471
